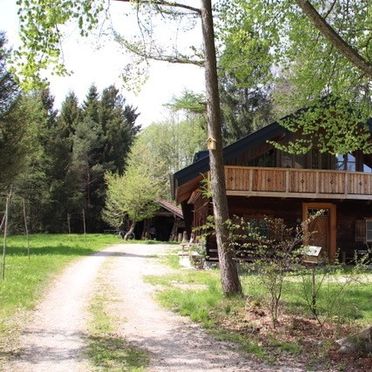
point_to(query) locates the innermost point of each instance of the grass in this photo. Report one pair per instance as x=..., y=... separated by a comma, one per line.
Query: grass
x=205, y=306
x=25, y=279
x=198, y=295
x=106, y=350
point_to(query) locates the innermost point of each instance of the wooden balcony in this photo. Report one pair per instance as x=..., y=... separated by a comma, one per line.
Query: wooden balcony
x=298, y=183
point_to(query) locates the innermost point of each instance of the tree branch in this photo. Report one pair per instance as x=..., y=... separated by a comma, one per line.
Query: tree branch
x=334, y=38
x=166, y=3
x=167, y=58
x=141, y=52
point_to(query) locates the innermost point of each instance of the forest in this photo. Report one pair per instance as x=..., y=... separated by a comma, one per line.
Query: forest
x=54, y=161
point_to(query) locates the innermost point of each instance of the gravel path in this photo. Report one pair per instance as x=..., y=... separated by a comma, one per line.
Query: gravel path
x=174, y=342
x=55, y=338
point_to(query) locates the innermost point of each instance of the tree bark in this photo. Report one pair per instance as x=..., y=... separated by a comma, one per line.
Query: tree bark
x=229, y=275
x=130, y=231
x=334, y=38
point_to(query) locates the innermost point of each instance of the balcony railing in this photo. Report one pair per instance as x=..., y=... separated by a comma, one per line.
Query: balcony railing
x=304, y=183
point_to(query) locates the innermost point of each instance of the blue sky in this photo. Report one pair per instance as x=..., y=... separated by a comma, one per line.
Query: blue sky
x=103, y=66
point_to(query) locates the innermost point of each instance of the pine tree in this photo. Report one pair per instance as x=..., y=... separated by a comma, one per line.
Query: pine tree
x=119, y=128
x=12, y=128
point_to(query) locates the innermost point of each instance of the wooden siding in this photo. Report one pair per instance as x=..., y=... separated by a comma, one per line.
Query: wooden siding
x=298, y=183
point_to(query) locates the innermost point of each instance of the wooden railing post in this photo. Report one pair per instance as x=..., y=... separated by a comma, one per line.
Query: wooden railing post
x=250, y=180
x=346, y=186
x=287, y=181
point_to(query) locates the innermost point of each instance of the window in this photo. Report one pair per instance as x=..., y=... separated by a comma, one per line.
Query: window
x=367, y=169
x=351, y=163
x=265, y=160
x=346, y=162
x=369, y=231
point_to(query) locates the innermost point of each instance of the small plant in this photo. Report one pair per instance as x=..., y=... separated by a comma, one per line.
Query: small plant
x=323, y=291
x=273, y=249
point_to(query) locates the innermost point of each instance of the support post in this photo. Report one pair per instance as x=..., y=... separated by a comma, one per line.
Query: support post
x=84, y=222
x=26, y=226
x=5, y=231
x=69, y=223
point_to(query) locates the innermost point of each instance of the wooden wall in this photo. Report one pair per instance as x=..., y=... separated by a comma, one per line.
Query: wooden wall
x=348, y=212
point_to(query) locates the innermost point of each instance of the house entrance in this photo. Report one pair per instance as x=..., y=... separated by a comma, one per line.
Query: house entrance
x=323, y=228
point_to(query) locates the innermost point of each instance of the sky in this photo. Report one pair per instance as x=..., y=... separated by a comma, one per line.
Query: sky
x=103, y=66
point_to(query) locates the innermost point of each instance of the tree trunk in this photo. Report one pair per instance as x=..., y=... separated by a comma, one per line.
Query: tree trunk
x=334, y=38
x=130, y=231
x=84, y=222
x=229, y=275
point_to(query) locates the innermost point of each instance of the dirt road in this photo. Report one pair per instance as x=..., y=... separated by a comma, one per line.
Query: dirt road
x=55, y=338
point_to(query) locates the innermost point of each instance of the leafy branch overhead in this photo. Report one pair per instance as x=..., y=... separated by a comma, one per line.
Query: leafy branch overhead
x=333, y=28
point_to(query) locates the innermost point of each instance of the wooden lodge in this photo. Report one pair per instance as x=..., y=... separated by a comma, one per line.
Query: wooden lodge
x=264, y=181
x=166, y=225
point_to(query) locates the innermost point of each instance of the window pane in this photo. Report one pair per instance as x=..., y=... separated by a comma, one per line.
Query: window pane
x=367, y=169
x=369, y=231
x=340, y=162
x=351, y=163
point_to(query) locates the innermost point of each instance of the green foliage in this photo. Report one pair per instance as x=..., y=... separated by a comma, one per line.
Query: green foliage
x=330, y=126
x=164, y=148
x=9, y=90
x=16, y=126
x=57, y=161
x=132, y=195
x=190, y=102
x=13, y=126
x=285, y=50
x=41, y=23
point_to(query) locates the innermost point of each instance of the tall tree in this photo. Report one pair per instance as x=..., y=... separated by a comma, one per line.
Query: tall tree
x=36, y=55
x=101, y=133
x=86, y=169
x=59, y=151
x=131, y=195
x=229, y=274
x=164, y=150
x=12, y=125
x=33, y=182
x=118, y=121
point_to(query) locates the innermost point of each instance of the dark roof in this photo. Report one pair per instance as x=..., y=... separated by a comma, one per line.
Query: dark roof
x=169, y=206
x=199, y=155
x=202, y=165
